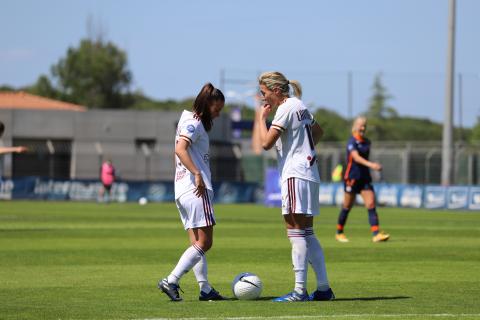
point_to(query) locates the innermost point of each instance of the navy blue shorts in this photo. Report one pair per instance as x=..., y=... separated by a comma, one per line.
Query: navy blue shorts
x=357, y=186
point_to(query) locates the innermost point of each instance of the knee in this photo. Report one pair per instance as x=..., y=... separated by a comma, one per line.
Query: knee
x=205, y=244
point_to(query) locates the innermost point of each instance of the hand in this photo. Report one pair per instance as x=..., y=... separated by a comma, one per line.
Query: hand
x=376, y=166
x=200, y=190
x=21, y=149
x=266, y=111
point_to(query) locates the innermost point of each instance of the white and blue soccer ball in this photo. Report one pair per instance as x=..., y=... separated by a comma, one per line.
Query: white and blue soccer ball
x=142, y=201
x=247, y=286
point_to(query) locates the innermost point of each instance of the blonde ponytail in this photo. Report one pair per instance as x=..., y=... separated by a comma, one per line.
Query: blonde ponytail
x=297, y=88
x=276, y=79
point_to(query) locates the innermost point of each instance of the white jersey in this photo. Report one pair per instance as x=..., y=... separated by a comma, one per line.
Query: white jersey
x=295, y=148
x=190, y=128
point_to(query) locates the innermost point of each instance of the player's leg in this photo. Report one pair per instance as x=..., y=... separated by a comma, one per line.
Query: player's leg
x=296, y=224
x=368, y=196
x=197, y=216
x=203, y=237
x=101, y=194
x=109, y=193
x=317, y=259
x=348, y=201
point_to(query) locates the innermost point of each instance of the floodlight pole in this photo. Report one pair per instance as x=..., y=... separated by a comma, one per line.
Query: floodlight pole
x=447, y=142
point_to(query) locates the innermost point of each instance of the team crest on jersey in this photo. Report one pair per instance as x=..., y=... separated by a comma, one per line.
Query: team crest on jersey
x=190, y=128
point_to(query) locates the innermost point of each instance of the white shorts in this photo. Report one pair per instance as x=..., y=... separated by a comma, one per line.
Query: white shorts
x=300, y=196
x=196, y=212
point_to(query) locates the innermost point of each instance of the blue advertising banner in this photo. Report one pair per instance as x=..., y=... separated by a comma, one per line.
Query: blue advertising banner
x=435, y=197
x=474, y=198
x=35, y=188
x=327, y=193
x=457, y=198
x=392, y=195
x=273, y=195
x=411, y=196
x=387, y=194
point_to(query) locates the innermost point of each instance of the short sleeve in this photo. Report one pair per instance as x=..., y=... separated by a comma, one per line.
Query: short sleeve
x=281, y=119
x=352, y=145
x=190, y=131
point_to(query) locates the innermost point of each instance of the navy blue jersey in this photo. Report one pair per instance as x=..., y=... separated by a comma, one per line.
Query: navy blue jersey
x=355, y=170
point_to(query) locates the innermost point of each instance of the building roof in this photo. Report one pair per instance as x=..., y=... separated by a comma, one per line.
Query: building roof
x=23, y=100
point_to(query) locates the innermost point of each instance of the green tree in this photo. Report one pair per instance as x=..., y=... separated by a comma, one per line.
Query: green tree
x=94, y=75
x=378, y=107
x=475, y=133
x=335, y=127
x=43, y=87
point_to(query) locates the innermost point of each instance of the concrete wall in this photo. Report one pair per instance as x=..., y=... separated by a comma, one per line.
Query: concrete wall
x=105, y=134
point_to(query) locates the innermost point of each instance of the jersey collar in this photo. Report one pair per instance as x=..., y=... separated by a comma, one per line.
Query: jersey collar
x=358, y=137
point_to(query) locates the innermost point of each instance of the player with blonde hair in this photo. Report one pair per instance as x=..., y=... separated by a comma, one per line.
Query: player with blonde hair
x=357, y=180
x=294, y=133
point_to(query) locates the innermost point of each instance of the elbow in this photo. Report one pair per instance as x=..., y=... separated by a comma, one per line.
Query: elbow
x=178, y=152
x=266, y=146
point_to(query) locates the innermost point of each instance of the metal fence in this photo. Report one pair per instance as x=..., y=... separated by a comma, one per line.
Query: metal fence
x=403, y=162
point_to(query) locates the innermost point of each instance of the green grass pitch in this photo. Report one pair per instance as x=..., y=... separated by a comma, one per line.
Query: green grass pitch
x=61, y=260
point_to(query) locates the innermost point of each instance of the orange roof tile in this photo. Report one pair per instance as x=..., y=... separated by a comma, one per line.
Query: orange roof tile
x=23, y=100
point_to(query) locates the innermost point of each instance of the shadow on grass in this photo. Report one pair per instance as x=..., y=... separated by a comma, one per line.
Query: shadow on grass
x=340, y=299
x=372, y=298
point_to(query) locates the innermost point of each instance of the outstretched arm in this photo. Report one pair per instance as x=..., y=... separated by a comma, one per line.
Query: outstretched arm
x=20, y=149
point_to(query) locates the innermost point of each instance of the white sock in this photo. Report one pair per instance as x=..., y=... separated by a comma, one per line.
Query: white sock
x=316, y=259
x=189, y=258
x=299, y=258
x=201, y=274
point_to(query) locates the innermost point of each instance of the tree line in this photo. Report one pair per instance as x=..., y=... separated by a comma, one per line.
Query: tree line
x=95, y=74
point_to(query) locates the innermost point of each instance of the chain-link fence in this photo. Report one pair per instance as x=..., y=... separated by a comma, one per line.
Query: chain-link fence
x=403, y=162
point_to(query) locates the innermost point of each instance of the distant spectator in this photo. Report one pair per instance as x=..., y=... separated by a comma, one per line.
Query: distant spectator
x=107, y=176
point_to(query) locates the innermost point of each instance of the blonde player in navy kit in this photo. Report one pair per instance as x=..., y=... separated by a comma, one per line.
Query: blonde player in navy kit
x=194, y=192
x=295, y=133
x=357, y=180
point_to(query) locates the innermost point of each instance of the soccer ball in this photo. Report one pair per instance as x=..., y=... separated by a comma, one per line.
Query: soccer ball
x=247, y=286
x=142, y=201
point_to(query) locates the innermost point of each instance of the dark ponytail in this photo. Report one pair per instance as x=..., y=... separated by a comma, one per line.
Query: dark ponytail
x=201, y=106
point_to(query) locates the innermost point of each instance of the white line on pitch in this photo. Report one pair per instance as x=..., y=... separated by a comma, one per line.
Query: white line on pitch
x=372, y=315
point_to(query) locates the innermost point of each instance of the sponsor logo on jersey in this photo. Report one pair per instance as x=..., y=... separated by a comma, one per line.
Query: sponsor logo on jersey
x=180, y=174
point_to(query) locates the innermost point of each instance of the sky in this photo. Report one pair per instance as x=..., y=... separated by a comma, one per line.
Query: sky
x=175, y=46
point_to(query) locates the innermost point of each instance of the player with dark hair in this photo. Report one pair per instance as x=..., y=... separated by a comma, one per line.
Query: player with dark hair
x=194, y=192
x=357, y=180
